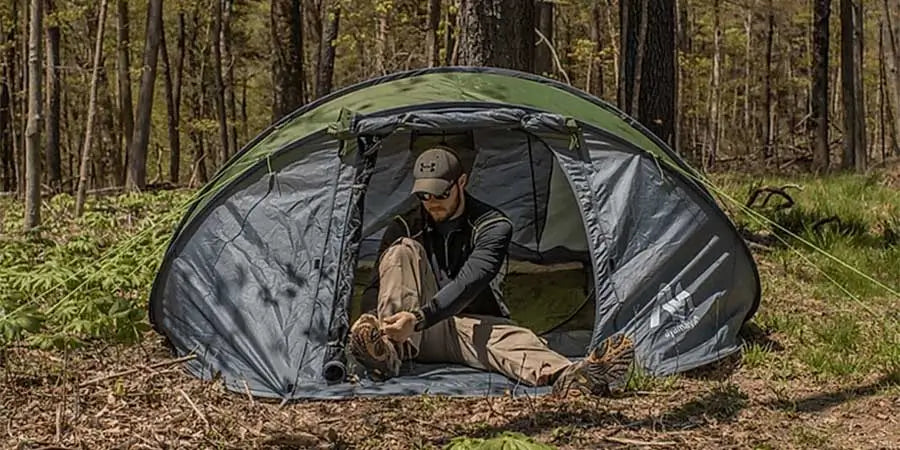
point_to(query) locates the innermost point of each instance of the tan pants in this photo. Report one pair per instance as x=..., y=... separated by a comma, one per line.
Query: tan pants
x=482, y=342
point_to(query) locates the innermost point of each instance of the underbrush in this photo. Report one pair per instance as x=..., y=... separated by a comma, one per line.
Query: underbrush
x=78, y=279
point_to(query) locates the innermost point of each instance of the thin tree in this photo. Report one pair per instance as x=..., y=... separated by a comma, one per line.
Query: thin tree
x=123, y=63
x=33, y=129
x=891, y=36
x=854, y=155
x=92, y=107
x=219, y=96
x=768, y=120
x=381, y=37
x=543, y=52
x=819, y=116
x=715, y=114
x=175, y=154
x=498, y=33
x=594, y=83
x=451, y=37
x=325, y=72
x=431, y=42
x=54, y=171
x=748, y=63
x=137, y=162
x=229, y=61
x=171, y=108
x=287, y=51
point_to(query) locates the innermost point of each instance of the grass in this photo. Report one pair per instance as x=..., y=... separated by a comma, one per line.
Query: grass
x=833, y=320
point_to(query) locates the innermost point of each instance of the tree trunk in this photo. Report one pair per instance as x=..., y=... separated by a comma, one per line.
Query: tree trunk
x=219, y=96
x=6, y=155
x=714, y=107
x=891, y=60
x=594, y=83
x=228, y=56
x=639, y=53
x=819, y=99
x=137, y=163
x=851, y=75
x=543, y=54
x=197, y=94
x=748, y=30
x=175, y=156
x=431, y=42
x=450, y=36
x=126, y=106
x=381, y=37
x=54, y=171
x=33, y=130
x=106, y=103
x=653, y=91
x=171, y=113
x=881, y=95
x=325, y=72
x=287, y=64
x=768, y=132
x=497, y=33
x=92, y=108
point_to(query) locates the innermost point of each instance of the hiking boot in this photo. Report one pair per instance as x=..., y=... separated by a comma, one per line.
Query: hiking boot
x=373, y=349
x=603, y=367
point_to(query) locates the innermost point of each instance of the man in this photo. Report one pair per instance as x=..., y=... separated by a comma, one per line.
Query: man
x=436, y=294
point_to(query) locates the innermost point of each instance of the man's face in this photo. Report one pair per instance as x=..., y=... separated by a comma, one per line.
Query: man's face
x=444, y=206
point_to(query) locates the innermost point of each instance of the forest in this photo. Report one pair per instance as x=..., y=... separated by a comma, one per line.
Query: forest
x=114, y=115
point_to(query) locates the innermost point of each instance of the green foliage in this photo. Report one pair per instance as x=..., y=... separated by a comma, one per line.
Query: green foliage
x=505, y=441
x=83, y=278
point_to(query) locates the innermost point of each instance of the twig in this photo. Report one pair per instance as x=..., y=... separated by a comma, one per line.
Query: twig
x=136, y=370
x=555, y=56
x=625, y=441
x=249, y=395
x=194, y=407
x=59, y=425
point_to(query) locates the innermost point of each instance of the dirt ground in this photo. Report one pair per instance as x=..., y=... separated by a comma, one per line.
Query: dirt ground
x=54, y=401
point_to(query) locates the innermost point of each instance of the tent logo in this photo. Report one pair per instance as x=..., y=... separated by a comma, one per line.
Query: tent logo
x=677, y=305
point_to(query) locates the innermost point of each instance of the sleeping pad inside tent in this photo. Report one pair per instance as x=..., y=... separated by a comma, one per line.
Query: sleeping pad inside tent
x=611, y=234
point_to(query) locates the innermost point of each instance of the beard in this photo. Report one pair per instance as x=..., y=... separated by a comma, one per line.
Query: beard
x=443, y=212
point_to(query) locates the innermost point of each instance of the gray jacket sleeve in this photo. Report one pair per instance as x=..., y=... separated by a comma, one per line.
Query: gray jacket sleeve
x=488, y=253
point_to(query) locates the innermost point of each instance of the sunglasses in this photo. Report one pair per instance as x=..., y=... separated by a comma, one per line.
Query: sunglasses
x=424, y=196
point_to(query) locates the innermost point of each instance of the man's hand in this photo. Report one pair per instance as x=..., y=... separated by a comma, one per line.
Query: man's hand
x=400, y=326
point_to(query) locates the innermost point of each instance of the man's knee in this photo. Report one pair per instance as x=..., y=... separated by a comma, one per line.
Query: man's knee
x=403, y=249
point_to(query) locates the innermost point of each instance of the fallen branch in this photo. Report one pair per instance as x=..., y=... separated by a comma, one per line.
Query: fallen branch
x=625, y=441
x=136, y=370
x=772, y=191
x=822, y=222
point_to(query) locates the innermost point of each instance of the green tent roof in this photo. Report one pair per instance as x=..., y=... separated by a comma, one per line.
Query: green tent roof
x=440, y=85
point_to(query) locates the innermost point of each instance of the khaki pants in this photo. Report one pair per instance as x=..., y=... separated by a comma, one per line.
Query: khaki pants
x=482, y=342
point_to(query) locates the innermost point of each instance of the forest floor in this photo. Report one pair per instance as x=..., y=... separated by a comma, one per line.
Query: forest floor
x=43, y=405
x=820, y=365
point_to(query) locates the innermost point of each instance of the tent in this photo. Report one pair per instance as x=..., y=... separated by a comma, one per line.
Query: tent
x=259, y=275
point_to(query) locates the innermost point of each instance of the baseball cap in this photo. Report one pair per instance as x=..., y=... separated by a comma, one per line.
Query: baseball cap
x=435, y=170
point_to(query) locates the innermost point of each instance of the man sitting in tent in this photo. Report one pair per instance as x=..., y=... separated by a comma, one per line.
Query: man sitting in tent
x=435, y=295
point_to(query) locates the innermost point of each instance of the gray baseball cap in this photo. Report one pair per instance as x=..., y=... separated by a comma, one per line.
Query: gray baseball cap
x=435, y=170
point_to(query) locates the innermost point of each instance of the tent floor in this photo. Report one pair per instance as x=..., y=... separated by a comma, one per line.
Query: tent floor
x=448, y=379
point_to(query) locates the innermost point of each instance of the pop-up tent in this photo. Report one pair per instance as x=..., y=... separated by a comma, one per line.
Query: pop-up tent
x=259, y=276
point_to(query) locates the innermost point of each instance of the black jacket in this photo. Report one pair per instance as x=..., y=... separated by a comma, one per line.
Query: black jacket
x=473, y=257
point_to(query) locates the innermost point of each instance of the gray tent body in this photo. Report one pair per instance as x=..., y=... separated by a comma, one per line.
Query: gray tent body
x=258, y=283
